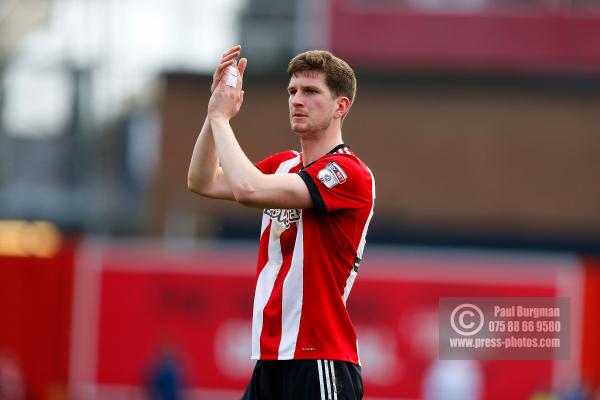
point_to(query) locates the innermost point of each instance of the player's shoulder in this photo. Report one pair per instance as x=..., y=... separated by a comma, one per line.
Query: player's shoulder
x=342, y=166
x=346, y=158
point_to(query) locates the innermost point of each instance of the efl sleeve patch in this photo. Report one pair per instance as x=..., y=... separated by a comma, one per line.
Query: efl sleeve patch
x=332, y=175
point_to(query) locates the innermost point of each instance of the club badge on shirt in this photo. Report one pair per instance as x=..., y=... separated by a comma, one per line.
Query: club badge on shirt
x=332, y=175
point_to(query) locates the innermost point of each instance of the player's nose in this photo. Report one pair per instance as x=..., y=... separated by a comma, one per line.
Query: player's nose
x=296, y=99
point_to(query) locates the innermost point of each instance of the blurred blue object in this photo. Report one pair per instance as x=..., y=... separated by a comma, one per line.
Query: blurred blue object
x=166, y=381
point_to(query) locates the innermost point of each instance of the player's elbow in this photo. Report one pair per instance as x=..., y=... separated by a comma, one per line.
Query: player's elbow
x=192, y=185
x=197, y=187
x=245, y=195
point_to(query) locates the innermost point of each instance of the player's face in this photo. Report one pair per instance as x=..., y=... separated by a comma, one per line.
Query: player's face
x=311, y=103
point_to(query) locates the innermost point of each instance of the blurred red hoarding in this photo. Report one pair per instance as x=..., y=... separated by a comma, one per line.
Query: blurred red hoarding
x=133, y=302
x=35, y=321
x=518, y=38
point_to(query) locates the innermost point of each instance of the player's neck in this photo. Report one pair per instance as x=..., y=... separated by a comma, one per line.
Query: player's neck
x=315, y=148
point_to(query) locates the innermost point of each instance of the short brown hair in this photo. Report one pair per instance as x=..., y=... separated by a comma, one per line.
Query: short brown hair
x=339, y=76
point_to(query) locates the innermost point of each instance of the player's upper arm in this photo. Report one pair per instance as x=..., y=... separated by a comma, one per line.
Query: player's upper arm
x=276, y=191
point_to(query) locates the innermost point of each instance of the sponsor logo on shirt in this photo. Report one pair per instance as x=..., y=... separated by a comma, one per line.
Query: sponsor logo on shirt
x=285, y=217
x=332, y=175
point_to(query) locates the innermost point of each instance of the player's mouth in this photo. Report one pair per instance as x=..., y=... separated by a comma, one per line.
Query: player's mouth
x=298, y=115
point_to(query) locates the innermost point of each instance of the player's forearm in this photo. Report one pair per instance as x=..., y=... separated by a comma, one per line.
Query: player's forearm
x=241, y=174
x=204, y=162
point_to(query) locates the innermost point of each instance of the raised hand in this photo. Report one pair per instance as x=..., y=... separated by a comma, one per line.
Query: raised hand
x=227, y=59
x=226, y=101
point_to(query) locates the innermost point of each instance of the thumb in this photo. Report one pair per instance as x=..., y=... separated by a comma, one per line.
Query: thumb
x=242, y=66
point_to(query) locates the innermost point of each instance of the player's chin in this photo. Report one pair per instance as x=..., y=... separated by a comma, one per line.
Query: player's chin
x=299, y=128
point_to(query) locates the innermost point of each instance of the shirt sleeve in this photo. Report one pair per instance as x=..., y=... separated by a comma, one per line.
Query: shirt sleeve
x=338, y=182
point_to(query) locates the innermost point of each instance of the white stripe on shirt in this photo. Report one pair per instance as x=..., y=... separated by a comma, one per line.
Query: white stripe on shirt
x=291, y=309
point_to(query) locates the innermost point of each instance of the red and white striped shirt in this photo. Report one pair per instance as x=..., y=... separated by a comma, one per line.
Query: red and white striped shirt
x=308, y=260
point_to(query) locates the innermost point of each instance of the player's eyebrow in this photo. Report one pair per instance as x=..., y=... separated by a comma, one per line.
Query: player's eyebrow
x=304, y=87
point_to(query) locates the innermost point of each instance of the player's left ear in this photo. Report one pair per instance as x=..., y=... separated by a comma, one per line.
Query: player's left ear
x=343, y=106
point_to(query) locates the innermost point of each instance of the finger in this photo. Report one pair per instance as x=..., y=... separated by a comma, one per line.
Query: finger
x=242, y=67
x=232, y=50
x=222, y=66
x=238, y=80
x=231, y=56
x=223, y=79
x=218, y=75
x=225, y=61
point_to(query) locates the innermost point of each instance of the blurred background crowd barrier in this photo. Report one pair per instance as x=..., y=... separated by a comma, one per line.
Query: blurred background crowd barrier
x=478, y=118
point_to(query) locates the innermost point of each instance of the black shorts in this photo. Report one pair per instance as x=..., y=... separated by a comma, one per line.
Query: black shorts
x=305, y=380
